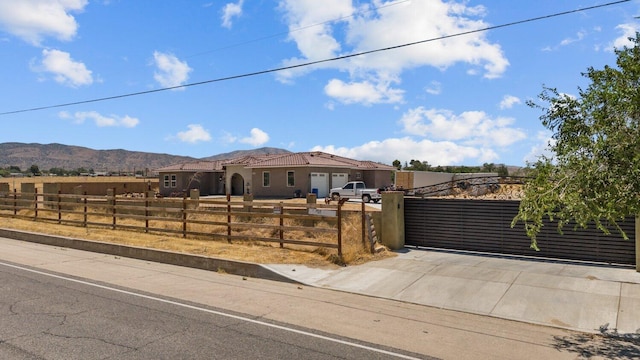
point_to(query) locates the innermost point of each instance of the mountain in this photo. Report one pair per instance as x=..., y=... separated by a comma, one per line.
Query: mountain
x=239, y=153
x=73, y=157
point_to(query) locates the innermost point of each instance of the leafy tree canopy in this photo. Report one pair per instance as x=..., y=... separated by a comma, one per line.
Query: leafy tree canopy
x=593, y=176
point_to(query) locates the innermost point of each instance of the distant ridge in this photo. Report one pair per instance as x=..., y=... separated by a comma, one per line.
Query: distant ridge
x=69, y=157
x=239, y=153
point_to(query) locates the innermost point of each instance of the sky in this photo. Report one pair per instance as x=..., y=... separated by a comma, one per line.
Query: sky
x=445, y=82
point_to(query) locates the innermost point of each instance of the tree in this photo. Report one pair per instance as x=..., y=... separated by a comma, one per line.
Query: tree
x=397, y=164
x=502, y=170
x=593, y=176
x=488, y=167
x=35, y=170
x=417, y=165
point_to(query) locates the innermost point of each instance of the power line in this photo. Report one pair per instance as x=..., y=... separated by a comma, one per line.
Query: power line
x=298, y=29
x=310, y=63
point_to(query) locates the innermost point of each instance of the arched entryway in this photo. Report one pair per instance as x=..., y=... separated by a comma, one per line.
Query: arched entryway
x=237, y=184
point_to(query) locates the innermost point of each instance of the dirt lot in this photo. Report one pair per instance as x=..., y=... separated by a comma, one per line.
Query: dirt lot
x=250, y=251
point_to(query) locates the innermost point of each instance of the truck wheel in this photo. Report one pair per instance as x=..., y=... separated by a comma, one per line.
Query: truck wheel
x=366, y=198
x=335, y=196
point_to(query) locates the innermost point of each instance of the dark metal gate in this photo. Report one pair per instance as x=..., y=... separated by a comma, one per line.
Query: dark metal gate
x=485, y=226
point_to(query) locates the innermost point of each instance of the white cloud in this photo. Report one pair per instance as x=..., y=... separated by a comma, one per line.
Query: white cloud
x=508, y=101
x=230, y=11
x=469, y=127
x=404, y=149
x=441, y=138
x=362, y=92
x=435, y=88
x=171, y=72
x=366, y=29
x=195, y=134
x=33, y=20
x=628, y=31
x=228, y=138
x=541, y=148
x=65, y=70
x=100, y=120
x=570, y=40
x=257, y=137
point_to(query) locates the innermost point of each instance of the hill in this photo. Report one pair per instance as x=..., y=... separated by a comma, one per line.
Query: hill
x=239, y=153
x=47, y=156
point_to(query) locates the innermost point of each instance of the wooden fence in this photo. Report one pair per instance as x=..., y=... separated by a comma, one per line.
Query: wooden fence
x=316, y=225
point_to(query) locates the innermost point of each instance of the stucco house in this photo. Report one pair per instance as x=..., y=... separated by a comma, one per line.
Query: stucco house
x=278, y=175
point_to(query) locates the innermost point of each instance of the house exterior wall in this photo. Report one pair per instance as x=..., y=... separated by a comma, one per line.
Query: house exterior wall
x=278, y=179
x=208, y=183
x=173, y=187
x=247, y=186
x=278, y=184
x=241, y=179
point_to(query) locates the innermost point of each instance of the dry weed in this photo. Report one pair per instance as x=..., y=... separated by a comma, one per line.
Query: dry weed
x=354, y=251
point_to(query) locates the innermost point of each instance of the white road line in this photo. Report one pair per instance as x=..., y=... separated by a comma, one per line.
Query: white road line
x=236, y=317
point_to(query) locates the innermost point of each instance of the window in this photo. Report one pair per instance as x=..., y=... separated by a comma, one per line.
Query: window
x=348, y=186
x=358, y=175
x=174, y=180
x=266, y=179
x=359, y=186
x=291, y=179
x=166, y=181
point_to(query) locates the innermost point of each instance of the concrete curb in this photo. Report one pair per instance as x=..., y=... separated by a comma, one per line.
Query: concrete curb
x=160, y=256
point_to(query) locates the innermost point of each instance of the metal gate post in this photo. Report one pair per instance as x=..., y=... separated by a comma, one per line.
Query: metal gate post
x=392, y=234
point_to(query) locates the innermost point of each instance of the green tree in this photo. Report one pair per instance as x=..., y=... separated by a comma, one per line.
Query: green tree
x=57, y=171
x=502, y=170
x=397, y=164
x=488, y=167
x=34, y=169
x=593, y=176
x=418, y=165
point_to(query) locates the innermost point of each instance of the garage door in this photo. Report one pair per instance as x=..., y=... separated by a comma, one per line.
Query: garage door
x=320, y=182
x=338, y=179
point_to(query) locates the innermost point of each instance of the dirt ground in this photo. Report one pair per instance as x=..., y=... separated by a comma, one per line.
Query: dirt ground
x=250, y=251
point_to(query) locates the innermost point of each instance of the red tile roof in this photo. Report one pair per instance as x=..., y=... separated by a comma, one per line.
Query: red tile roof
x=193, y=166
x=306, y=159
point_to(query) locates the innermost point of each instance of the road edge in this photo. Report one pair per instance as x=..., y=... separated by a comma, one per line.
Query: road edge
x=160, y=256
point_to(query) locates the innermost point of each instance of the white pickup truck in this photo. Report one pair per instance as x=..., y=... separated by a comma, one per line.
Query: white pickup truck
x=355, y=190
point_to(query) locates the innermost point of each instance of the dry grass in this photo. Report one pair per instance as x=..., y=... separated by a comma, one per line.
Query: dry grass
x=353, y=251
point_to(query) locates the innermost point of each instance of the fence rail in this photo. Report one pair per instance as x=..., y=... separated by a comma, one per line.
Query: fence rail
x=314, y=225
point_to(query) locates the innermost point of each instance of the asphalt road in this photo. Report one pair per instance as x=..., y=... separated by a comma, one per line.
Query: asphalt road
x=105, y=306
x=49, y=316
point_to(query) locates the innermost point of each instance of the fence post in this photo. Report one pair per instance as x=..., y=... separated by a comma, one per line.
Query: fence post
x=111, y=193
x=84, y=213
x=35, y=204
x=281, y=224
x=340, y=228
x=229, y=218
x=146, y=211
x=184, y=215
x=59, y=208
x=15, y=202
x=363, y=220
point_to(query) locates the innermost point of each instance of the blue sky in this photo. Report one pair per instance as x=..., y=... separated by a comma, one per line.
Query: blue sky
x=459, y=100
